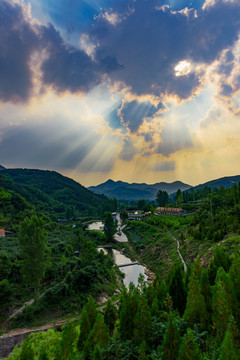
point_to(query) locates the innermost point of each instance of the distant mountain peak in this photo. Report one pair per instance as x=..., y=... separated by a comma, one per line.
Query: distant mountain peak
x=2, y=167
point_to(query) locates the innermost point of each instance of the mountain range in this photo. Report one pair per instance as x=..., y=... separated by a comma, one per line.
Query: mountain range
x=125, y=191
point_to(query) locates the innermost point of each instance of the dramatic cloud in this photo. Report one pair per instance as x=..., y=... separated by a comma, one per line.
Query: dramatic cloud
x=18, y=41
x=133, y=113
x=149, y=43
x=67, y=68
x=154, y=51
x=120, y=87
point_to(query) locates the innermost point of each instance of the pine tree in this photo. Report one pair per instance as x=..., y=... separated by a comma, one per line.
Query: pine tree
x=128, y=307
x=206, y=291
x=32, y=241
x=67, y=346
x=27, y=352
x=110, y=316
x=109, y=227
x=142, y=351
x=189, y=350
x=142, y=322
x=43, y=355
x=195, y=312
x=177, y=290
x=222, y=309
x=97, y=354
x=171, y=341
x=98, y=336
x=84, y=329
x=228, y=351
x=91, y=310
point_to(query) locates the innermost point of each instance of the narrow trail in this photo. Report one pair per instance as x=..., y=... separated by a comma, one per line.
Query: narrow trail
x=179, y=253
x=27, y=303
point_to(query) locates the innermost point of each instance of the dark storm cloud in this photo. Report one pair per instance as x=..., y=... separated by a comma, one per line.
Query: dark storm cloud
x=149, y=43
x=133, y=113
x=17, y=42
x=46, y=145
x=141, y=49
x=66, y=67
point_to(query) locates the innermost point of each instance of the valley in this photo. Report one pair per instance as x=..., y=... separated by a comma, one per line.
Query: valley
x=190, y=262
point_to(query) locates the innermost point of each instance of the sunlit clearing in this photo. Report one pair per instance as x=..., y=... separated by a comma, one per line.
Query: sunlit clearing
x=182, y=68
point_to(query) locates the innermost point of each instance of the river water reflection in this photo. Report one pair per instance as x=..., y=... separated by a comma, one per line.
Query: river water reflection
x=131, y=272
x=97, y=225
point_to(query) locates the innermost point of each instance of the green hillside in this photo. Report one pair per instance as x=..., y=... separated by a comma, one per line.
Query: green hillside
x=55, y=194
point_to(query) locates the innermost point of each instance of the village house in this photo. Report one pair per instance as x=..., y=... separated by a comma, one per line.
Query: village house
x=2, y=233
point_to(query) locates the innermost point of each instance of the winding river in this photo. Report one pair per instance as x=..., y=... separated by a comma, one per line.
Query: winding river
x=131, y=272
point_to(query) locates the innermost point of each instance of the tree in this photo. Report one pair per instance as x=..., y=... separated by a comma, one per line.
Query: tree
x=27, y=352
x=189, y=349
x=228, y=351
x=171, y=341
x=222, y=309
x=110, y=316
x=162, y=198
x=32, y=240
x=195, y=312
x=179, y=196
x=109, y=227
x=67, y=346
x=124, y=215
x=177, y=290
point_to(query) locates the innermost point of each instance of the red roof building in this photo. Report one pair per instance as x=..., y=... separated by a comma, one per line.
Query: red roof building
x=2, y=232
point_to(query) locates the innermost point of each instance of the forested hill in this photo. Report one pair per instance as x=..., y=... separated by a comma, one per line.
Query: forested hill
x=54, y=194
x=225, y=182
x=125, y=191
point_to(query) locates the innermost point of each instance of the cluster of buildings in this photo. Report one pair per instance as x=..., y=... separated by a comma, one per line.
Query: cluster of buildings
x=170, y=211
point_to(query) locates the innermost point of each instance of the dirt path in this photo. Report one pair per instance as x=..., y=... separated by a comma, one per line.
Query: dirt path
x=15, y=337
x=179, y=253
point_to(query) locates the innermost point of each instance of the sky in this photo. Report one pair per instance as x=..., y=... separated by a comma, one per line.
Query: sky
x=132, y=90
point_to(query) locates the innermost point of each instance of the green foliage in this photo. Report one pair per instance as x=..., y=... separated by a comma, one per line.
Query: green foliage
x=33, y=247
x=196, y=312
x=171, y=341
x=27, y=352
x=53, y=194
x=177, y=290
x=99, y=336
x=43, y=354
x=97, y=354
x=67, y=346
x=228, y=351
x=162, y=198
x=110, y=316
x=142, y=323
x=222, y=304
x=109, y=227
x=189, y=350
